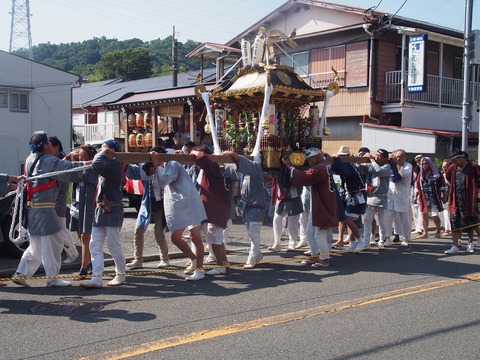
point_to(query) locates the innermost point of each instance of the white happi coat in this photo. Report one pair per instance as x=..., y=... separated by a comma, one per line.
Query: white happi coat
x=181, y=200
x=399, y=192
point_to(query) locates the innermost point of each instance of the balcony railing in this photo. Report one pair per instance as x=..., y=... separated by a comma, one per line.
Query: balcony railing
x=441, y=91
x=321, y=80
x=84, y=134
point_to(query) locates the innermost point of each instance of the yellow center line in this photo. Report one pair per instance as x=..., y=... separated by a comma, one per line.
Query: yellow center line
x=206, y=334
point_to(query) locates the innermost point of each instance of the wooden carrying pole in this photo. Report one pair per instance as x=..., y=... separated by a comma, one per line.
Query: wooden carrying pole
x=352, y=159
x=140, y=157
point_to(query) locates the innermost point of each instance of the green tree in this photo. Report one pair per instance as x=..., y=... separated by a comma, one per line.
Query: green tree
x=129, y=64
x=85, y=58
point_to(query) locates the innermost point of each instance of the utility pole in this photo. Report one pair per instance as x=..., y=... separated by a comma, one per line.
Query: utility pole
x=466, y=73
x=174, y=59
x=20, y=33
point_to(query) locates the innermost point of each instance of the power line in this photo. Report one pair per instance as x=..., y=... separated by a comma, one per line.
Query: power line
x=163, y=18
x=400, y=8
x=375, y=8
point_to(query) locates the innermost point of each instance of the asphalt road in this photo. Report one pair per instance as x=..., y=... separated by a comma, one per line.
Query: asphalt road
x=398, y=303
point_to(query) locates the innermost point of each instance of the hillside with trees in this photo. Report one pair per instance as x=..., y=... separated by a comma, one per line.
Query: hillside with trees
x=101, y=58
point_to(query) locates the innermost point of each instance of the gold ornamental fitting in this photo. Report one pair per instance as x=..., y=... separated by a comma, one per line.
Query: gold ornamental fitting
x=199, y=89
x=333, y=86
x=265, y=123
x=207, y=129
x=326, y=131
x=297, y=158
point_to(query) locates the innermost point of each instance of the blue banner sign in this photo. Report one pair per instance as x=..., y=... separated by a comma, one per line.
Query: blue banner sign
x=417, y=61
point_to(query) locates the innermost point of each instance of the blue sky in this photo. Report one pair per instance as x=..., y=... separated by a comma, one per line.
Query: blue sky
x=62, y=21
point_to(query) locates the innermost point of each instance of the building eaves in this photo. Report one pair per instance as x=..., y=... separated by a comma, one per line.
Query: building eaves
x=95, y=94
x=172, y=95
x=253, y=29
x=397, y=20
x=39, y=63
x=212, y=47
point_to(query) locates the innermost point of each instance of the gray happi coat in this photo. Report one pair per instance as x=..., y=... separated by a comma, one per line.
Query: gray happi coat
x=109, y=191
x=181, y=199
x=86, y=189
x=42, y=222
x=250, y=175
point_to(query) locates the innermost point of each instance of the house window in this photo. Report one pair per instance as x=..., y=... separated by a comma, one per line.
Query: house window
x=432, y=63
x=298, y=61
x=457, y=67
x=19, y=101
x=3, y=99
x=322, y=62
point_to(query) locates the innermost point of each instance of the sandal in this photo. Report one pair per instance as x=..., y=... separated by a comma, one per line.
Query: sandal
x=82, y=274
x=309, y=261
x=337, y=245
x=438, y=234
x=321, y=263
x=422, y=236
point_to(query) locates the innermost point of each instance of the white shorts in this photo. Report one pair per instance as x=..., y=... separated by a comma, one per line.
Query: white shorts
x=214, y=234
x=433, y=211
x=353, y=216
x=190, y=227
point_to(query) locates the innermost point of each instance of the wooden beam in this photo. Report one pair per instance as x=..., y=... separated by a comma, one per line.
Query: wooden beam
x=140, y=157
x=353, y=159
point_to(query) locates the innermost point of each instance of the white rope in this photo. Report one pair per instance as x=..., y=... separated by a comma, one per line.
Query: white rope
x=18, y=204
x=18, y=211
x=8, y=194
x=224, y=75
x=299, y=67
x=57, y=173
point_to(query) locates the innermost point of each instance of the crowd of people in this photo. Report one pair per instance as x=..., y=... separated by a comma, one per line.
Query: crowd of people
x=195, y=202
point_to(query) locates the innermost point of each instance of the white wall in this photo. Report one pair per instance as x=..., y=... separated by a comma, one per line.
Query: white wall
x=50, y=103
x=424, y=117
x=390, y=139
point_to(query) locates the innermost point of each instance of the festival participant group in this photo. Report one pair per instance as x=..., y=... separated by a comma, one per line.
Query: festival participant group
x=354, y=192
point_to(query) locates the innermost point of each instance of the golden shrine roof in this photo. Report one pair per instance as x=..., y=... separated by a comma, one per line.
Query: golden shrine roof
x=247, y=89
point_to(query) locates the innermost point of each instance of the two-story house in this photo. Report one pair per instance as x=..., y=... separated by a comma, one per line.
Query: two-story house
x=370, y=52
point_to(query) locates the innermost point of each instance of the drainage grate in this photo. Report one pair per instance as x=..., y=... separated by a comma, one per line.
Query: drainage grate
x=67, y=307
